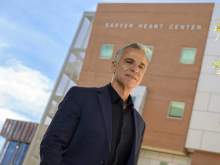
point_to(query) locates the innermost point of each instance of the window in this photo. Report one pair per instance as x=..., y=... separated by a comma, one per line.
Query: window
x=3, y=146
x=133, y=98
x=176, y=109
x=163, y=163
x=138, y=97
x=149, y=51
x=106, y=51
x=188, y=56
x=20, y=154
x=60, y=91
x=10, y=153
x=15, y=153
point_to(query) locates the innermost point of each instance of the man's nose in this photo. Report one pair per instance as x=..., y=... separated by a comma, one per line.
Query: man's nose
x=135, y=68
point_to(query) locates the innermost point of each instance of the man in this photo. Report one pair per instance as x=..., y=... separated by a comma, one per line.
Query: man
x=99, y=125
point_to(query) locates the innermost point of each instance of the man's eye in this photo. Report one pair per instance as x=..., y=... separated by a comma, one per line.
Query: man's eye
x=129, y=61
x=141, y=66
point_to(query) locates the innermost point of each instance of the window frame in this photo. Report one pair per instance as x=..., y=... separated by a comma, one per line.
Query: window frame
x=152, y=48
x=181, y=56
x=100, y=51
x=169, y=110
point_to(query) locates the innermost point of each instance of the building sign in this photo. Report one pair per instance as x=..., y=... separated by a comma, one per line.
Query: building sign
x=153, y=26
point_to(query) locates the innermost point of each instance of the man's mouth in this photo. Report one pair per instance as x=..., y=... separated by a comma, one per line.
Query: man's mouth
x=133, y=77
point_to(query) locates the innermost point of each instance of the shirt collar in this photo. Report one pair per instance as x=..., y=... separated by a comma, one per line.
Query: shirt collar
x=115, y=98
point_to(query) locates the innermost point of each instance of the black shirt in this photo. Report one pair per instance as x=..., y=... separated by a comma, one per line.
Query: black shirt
x=122, y=129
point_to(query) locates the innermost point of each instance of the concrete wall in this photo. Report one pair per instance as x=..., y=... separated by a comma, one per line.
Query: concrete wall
x=204, y=131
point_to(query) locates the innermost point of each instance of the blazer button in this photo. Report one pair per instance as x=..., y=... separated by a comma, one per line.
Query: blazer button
x=102, y=162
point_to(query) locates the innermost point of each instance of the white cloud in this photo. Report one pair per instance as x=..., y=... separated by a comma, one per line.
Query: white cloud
x=24, y=92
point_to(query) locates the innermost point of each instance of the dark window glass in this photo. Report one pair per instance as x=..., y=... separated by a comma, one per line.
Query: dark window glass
x=20, y=154
x=9, y=154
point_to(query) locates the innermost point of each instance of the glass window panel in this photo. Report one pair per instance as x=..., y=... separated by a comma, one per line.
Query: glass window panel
x=3, y=146
x=53, y=108
x=89, y=22
x=176, y=109
x=138, y=97
x=70, y=84
x=149, y=51
x=188, y=56
x=2, y=141
x=62, y=85
x=9, y=154
x=83, y=34
x=47, y=120
x=133, y=98
x=106, y=51
x=21, y=154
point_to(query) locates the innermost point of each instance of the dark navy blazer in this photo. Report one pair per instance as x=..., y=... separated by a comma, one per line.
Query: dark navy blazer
x=81, y=130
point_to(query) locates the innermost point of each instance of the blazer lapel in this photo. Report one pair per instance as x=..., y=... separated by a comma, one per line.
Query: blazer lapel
x=106, y=108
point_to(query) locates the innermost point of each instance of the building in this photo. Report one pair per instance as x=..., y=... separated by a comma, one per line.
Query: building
x=178, y=97
x=18, y=135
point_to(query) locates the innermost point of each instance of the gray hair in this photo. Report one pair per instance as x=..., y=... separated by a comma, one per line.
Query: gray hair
x=135, y=45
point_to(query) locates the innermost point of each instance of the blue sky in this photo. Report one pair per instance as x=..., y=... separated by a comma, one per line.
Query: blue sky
x=35, y=36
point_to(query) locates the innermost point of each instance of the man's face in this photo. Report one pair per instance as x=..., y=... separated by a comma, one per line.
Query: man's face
x=130, y=70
